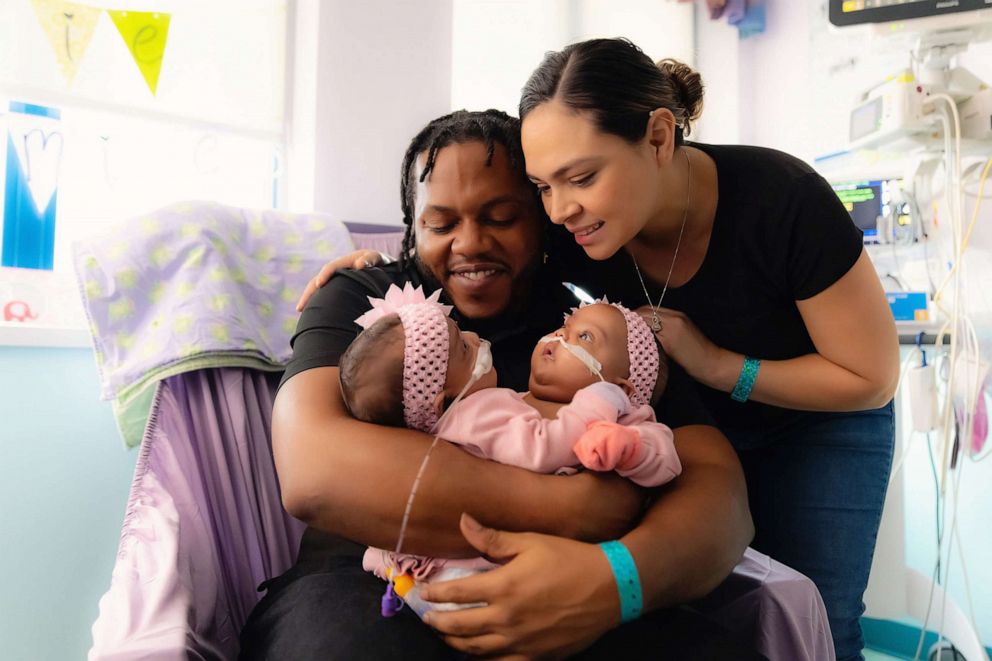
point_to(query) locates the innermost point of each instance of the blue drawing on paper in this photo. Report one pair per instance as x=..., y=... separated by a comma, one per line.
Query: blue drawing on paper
x=34, y=151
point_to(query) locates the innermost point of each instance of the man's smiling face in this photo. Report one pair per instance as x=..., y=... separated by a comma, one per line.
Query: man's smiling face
x=477, y=229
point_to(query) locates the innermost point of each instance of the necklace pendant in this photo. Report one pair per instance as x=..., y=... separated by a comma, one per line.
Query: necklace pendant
x=655, y=325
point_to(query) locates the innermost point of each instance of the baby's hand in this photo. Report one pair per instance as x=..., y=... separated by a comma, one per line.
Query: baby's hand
x=613, y=394
x=607, y=446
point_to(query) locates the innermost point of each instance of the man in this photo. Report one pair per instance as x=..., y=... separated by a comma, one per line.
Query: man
x=474, y=228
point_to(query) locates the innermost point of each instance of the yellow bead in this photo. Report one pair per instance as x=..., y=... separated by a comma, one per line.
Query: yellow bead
x=402, y=585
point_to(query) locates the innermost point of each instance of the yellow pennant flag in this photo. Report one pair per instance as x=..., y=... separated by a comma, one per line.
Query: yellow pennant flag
x=144, y=33
x=69, y=28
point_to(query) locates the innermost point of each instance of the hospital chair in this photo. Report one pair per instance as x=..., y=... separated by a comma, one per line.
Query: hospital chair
x=204, y=526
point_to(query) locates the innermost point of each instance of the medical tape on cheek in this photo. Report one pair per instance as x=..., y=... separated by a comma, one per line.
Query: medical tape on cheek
x=584, y=356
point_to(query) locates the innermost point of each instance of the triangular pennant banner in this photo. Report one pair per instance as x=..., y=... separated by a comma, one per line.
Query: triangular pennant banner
x=144, y=33
x=69, y=28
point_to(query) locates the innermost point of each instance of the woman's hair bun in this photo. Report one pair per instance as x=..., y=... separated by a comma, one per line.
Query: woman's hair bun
x=688, y=86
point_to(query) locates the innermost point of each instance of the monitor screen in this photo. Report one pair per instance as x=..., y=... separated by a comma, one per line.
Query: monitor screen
x=854, y=12
x=866, y=119
x=865, y=201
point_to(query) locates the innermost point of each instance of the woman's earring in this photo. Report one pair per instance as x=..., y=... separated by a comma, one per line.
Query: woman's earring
x=545, y=258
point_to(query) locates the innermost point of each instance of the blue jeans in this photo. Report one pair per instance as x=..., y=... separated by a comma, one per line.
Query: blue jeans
x=816, y=486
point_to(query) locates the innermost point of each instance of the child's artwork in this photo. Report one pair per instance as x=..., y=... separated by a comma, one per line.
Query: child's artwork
x=34, y=152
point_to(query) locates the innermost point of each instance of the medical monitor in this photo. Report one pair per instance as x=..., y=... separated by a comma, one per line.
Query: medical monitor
x=856, y=12
x=868, y=201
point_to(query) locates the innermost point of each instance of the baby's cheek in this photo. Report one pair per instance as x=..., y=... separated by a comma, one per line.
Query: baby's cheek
x=455, y=380
x=577, y=377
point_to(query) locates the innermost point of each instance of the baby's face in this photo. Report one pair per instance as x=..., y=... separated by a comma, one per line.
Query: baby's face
x=556, y=374
x=463, y=346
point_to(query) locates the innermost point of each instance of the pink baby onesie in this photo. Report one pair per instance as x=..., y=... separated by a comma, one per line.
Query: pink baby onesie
x=497, y=424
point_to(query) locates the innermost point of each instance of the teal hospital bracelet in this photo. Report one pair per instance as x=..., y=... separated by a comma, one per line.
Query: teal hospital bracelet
x=745, y=382
x=628, y=582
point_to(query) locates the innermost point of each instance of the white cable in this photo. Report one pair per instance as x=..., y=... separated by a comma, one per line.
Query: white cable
x=961, y=557
x=935, y=576
x=905, y=450
x=953, y=194
x=949, y=174
x=963, y=336
x=946, y=563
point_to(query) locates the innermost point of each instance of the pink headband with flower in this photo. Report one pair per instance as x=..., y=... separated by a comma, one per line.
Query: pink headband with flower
x=425, y=348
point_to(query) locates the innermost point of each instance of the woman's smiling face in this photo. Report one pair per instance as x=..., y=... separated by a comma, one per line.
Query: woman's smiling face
x=477, y=229
x=602, y=188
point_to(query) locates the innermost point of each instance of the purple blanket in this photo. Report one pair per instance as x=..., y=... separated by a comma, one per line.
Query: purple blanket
x=196, y=285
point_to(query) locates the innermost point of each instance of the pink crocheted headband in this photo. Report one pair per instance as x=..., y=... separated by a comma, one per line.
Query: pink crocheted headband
x=425, y=348
x=642, y=351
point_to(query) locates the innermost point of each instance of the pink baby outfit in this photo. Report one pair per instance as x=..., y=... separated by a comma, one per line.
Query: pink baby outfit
x=497, y=424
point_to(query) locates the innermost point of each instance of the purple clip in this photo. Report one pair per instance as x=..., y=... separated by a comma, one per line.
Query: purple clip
x=391, y=604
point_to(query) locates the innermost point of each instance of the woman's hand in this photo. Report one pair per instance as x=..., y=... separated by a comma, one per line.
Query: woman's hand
x=554, y=597
x=359, y=259
x=686, y=345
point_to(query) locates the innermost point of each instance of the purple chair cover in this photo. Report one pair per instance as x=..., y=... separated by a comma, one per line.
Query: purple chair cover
x=777, y=607
x=204, y=523
x=386, y=239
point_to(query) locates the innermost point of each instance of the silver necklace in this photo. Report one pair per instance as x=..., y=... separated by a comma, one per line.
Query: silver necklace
x=655, y=321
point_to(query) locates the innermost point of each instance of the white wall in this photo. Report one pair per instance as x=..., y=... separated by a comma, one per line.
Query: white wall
x=757, y=89
x=382, y=70
x=486, y=70
x=489, y=69
x=717, y=58
x=368, y=75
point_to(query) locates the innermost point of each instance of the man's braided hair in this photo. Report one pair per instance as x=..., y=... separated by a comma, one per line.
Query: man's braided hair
x=490, y=127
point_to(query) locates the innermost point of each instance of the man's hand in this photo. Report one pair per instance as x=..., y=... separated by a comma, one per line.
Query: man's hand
x=552, y=598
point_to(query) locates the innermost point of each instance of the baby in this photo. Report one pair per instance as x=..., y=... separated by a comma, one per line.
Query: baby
x=591, y=387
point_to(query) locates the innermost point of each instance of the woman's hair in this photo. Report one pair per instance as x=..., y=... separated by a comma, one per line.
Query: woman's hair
x=490, y=127
x=371, y=377
x=616, y=84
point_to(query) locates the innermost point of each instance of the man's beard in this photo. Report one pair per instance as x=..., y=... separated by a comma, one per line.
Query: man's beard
x=519, y=290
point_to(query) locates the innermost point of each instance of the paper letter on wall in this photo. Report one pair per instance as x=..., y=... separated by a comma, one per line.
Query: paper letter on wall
x=69, y=28
x=144, y=33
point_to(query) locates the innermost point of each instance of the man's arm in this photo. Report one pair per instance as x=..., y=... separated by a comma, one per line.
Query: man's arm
x=353, y=478
x=698, y=527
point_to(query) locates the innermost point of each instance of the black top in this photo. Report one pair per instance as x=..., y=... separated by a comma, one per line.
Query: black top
x=326, y=329
x=780, y=235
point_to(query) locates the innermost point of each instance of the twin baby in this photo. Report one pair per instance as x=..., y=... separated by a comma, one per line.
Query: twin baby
x=592, y=384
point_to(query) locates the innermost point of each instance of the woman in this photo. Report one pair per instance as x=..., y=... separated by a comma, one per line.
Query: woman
x=756, y=282
x=474, y=229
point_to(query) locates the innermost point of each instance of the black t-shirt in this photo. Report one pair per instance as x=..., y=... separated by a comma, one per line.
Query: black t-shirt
x=780, y=235
x=326, y=329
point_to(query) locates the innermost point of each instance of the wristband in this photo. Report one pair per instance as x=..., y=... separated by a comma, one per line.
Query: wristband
x=745, y=382
x=628, y=582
